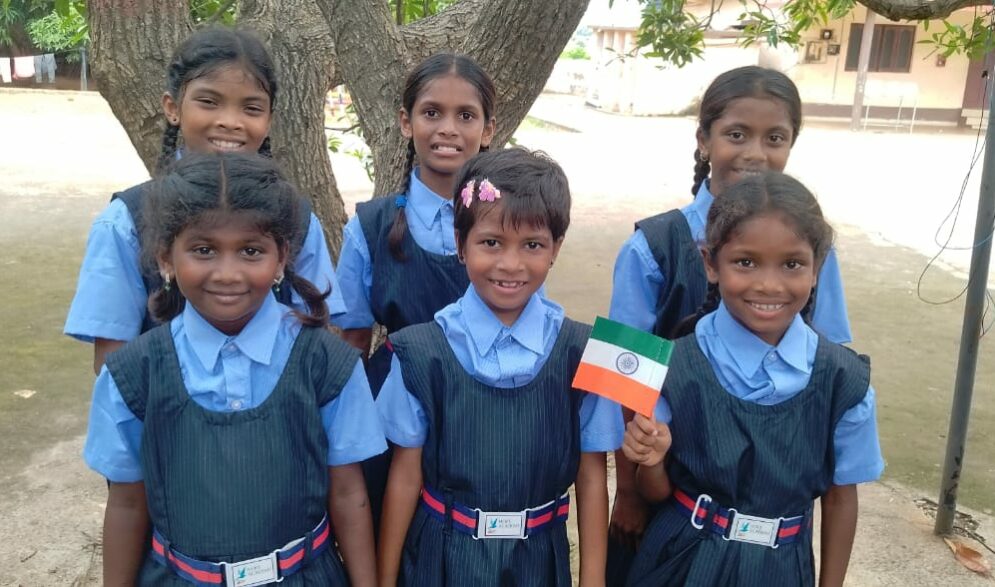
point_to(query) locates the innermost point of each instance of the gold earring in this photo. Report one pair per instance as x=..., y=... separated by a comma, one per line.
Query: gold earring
x=277, y=282
x=166, y=282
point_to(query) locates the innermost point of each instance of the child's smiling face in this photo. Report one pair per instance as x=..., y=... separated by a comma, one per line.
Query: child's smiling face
x=506, y=265
x=225, y=110
x=224, y=266
x=765, y=273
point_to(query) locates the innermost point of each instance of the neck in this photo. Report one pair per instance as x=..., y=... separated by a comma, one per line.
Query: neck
x=441, y=184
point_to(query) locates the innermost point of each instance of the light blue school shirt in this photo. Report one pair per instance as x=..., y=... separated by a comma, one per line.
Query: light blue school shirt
x=500, y=356
x=637, y=280
x=430, y=222
x=225, y=374
x=754, y=371
x=111, y=300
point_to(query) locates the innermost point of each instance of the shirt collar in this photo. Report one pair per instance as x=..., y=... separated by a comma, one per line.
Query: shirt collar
x=748, y=350
x=423, y=201
x=699, y=207
x=255, y=341
x=528, y=330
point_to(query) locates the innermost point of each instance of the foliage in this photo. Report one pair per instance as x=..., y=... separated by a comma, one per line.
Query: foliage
x=412, y=10
x=575, y=51
x=15, y=14
x=204, y=11
x=55, y=33
x=677, y=36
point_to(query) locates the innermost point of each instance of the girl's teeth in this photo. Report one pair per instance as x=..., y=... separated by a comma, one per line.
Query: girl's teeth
x=226, y=144
x=768, y=307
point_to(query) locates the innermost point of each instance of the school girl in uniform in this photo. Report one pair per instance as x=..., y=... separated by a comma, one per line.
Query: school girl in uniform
x=220, y=91
x=398, y=265
x=488, y=432
x=233, y=432
x=760, y=414
x=748, y=122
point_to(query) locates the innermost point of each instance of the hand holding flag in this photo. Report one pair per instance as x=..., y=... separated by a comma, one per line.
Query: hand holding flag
x=625, y=365
x=646, y=441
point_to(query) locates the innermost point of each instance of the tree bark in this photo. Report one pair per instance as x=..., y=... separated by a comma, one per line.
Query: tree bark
x=919, y=9
x=301, y=45
x=516, y=41
x=131, y=44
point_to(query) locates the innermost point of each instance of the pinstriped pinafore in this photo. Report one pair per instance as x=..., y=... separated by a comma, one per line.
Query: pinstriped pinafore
x=763, y=460
x=229, y=486
x=674, y=250
x=495, y=449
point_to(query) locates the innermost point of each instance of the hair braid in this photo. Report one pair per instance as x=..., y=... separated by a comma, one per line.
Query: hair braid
x=395, y=238
x=312, y=296
x=265, y=149
x=701, y=170
x=711, y=303
x=167, y=153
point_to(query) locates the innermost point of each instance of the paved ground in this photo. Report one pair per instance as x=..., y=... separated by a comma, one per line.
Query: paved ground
x=62, y=154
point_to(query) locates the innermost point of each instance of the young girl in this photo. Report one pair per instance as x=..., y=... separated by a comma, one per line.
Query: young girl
x=766, y=414
x=220, y=91
x=398, y=265
x=748, y=122
x=489, y=433
x=234, y=431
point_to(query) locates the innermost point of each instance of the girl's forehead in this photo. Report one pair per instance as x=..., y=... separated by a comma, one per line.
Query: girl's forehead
x=230, y=76
x=496, y=219
x=449, y=88
x=756, y=111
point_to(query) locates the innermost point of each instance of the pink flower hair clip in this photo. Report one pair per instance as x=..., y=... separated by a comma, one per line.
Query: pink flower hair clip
x=488, y=193
x=467, y=193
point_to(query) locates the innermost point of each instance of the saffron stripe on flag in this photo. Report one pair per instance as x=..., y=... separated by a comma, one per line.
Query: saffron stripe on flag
x=633, y=339
x=616, y=387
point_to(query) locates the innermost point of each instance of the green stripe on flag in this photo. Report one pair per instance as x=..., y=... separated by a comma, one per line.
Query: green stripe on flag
x=642, y=343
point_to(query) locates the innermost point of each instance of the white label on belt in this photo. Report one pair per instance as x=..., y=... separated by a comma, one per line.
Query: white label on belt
x=257, y=571
x=501, y=525
x=753, y=529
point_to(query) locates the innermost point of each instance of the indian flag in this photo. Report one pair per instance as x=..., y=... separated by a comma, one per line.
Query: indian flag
x=625, y=365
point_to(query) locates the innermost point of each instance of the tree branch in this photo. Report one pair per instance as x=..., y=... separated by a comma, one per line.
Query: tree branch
x=919, y=9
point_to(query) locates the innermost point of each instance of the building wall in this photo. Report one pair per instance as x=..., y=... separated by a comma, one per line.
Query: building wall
x=828, y=83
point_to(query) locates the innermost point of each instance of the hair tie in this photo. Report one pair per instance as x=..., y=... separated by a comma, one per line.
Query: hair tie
x=401, y=201
x=486, y=193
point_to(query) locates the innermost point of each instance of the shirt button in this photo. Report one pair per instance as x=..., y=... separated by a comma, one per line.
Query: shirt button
x=230, y=347
x=771, y=357
x=236, y=404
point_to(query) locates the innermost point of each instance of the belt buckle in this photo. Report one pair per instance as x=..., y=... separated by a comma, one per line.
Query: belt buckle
x=753, y=529
x=698, y=506
x=254, y=571
x=501, y=525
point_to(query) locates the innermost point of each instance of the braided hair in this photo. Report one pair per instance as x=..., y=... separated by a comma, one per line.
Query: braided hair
x=436, y=66
x=743, y=82
x=203, y=53
x=770, y=192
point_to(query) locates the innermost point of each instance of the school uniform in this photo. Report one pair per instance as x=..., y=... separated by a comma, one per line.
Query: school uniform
x=501, y=430
x=659, y=275
x=233, y=437
x=111, y=297
x=762, y=429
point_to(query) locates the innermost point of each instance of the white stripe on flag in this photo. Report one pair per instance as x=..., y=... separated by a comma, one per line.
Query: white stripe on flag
x=634, y=366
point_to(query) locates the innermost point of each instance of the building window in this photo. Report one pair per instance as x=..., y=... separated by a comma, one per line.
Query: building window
x=891, y=49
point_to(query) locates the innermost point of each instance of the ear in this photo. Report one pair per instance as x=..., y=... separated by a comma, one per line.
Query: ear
x=556, y=248
x=283, y=254
x=405, y=120
x=488, y=134
x=702, y=143
x=711, y=268
x=164, y=259
x=460, y=245
x=171, y=108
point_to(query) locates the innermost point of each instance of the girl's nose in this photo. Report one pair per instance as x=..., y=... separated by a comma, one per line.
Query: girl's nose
x=229, y=119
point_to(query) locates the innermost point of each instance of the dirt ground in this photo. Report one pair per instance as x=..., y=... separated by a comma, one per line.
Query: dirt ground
x=62, y=154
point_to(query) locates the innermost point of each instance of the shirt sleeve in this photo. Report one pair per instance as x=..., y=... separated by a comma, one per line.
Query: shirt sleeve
x=110, y=298
x=402, y=415
x=856, y=445
x=636, y=284
x=830, y=317
x=601, y=426
x=314, y=263
x=661, y=411
x=114, y=434
x=355, y=277
x=351, y=422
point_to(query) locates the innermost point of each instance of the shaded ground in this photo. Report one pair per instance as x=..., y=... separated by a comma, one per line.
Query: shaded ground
x=73, y=155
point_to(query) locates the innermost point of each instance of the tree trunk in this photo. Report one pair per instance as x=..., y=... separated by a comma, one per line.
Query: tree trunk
x=301, y=46
x=131, y=44
x=516, y=41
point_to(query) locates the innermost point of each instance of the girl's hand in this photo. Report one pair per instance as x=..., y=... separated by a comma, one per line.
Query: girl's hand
x=646, y=441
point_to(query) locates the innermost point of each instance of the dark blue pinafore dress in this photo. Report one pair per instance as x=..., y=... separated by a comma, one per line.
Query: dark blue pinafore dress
x=764, y=460
x=231, y=486
x=670, y=241
x=494, y=449
x=403, y=293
